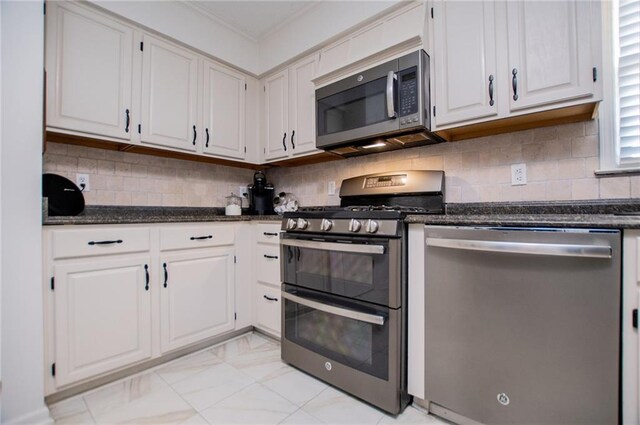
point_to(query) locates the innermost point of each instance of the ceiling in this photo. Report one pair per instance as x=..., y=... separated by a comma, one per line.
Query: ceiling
x=254, y=19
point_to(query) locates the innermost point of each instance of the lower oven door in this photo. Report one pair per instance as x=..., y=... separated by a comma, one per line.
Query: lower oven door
x=365, y=269
x=352, y=345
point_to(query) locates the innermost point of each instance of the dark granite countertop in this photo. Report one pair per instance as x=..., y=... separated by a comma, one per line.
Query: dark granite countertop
x=611, y=214
x=103, y=214
x=616, y=213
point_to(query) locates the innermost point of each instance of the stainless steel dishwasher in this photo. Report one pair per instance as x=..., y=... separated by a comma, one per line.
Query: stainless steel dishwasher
x=523, y=325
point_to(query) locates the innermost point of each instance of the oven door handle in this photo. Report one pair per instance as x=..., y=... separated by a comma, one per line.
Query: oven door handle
x=333, y=246
x=338, y=311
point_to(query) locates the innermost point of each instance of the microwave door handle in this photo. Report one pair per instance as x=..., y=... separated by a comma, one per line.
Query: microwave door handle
x=338, y=311
x=391, y=107
x=333, y=246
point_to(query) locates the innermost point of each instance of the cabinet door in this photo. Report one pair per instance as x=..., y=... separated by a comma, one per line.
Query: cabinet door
x=277, y=110
x=169, y=95
x=268, y=309
x=89, y=69
x=223, y=111
x=302, y=106
x=196, y=296
x=102, y=316
x=550, y=56
x=465, y=61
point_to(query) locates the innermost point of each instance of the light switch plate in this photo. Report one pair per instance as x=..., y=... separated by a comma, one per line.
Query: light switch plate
x=331, y=188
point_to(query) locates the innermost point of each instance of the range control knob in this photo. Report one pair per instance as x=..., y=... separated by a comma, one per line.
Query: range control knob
x=371, y=226
x=291, y=224
x=354, y=225
x=302, y=223
x=326, y=225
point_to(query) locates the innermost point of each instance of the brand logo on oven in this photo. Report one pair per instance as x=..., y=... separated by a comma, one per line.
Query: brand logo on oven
x=327, y=365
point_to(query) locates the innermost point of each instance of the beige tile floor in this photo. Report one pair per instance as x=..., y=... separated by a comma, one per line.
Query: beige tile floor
x=241, y=381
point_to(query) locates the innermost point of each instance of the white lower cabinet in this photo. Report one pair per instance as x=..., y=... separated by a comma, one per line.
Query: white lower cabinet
x=102, y=316
x=630, y=336
x=196, y=296
x=268, y=304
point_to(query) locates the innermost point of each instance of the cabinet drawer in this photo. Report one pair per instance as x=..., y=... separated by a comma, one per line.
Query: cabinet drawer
x=268, y=264
x=88, y=242
x=267, y=308
x=196, y=236
x=268, y=233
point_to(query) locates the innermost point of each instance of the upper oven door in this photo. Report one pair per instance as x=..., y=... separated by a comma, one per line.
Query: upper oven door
x=365, y=269
x=358, y=107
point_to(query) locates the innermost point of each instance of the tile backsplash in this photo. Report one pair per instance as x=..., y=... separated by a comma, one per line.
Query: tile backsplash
x=560, y=162
x=124, y=178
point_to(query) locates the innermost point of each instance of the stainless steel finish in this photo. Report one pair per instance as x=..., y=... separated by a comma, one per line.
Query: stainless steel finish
x=338, y=311
x=384, y=394
x=302, y=224
x=326, y=224
x=334, y=246
x=512, y=337
x=391, y=107
x=354, y=225
x=341, y=226
x=417, y=181
x=291, y=224
x=371, y=226
x=391, y=126
x=562, y=250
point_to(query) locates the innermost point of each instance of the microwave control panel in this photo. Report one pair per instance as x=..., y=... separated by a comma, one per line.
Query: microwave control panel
x=408, y=96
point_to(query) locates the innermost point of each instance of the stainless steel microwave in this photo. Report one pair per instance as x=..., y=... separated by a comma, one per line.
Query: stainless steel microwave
x=383, y=108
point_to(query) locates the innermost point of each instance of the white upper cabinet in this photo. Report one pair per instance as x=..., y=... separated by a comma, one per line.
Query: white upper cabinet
x=290, y=110
x=223, y=111
x=465, y=65
x=550, y=52
x=276, y=89
x=89, y=70
x=169, y=95
x=302, y=106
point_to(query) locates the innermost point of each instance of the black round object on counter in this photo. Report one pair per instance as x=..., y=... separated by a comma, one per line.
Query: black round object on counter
x=64, y=196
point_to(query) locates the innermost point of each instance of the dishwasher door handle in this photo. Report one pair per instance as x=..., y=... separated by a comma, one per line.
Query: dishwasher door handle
x=559, y=250
x=374, y=319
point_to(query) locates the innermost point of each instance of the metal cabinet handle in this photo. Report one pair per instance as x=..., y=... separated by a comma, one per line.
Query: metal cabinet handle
x=338, y=311
x=293, y=133
x=269, y=234
x=126, y=125
x=514, y=83
x=284, y=144
x=391, y=107
x=270, y=298
x=195, y=134
x=105, y=242
x=274, y=257
x=491, y=102
x=166, y=274
x=558, y=250
x=146, y=275
x=197, y=238
x=206, y=130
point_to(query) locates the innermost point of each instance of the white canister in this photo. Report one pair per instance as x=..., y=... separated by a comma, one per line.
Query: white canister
x=234, y=205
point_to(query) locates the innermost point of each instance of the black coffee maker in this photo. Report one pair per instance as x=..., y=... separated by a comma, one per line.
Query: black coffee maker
x=261, y=195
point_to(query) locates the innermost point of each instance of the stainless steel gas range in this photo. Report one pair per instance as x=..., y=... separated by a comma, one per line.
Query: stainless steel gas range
x=344, y=274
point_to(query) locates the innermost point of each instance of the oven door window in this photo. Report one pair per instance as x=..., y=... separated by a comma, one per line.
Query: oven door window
x=359, y=344
x=358, y=275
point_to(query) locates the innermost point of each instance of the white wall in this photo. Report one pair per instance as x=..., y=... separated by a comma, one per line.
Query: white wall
x=22, y=36
x=183, y=23
x=316, y=25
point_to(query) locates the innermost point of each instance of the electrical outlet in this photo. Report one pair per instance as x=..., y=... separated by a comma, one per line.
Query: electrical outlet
x=518, y=174
x=243, y=192
x=331, y=188
x=82, y=181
